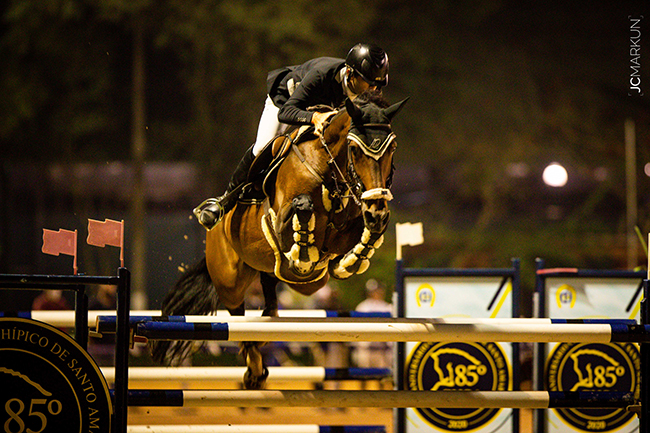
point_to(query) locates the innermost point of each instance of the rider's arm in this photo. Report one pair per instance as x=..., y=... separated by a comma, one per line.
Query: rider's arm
x=307, y=93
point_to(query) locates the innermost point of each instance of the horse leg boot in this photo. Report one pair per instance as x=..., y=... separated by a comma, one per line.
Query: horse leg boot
x=303, y=254
x=212, y=210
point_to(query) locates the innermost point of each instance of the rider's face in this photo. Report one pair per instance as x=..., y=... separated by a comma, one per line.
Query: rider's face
x=358, y=85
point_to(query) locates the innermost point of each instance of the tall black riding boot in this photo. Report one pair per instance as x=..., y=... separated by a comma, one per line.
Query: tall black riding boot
x=212, y=210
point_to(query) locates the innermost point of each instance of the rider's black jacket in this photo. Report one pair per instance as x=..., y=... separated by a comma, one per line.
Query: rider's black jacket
x=295, y=88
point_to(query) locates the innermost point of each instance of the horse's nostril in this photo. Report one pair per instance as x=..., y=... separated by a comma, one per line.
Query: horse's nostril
x=374, y=218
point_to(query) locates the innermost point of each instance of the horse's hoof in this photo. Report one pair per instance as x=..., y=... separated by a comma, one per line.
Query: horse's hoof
x=270, y=312
x=255, y=382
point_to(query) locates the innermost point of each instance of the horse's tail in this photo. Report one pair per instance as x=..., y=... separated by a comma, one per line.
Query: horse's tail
x=193, y=294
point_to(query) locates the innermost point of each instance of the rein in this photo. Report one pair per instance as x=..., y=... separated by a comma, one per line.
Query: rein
x=332, y=163
x=355, y=186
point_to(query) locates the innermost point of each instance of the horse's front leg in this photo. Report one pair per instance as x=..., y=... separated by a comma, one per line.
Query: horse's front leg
x=357, y=260
x=376, y=215
x=297, y=225
x=257, y=372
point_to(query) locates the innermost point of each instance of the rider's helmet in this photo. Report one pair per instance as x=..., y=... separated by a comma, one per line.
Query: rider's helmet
x=370, y=62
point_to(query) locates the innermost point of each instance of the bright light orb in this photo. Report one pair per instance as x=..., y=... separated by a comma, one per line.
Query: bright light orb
x=555, y=175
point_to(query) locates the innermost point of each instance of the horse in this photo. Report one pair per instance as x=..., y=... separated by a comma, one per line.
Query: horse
x=323, y=213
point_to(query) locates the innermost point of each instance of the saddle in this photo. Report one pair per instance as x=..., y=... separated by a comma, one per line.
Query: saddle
x=264, y=169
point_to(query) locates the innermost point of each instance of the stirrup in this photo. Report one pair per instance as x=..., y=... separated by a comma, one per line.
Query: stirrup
x=198, y=211
x=205, y=203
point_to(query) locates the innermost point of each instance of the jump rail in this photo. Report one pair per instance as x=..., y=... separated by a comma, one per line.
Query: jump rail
x=380, y=399
x=312, y=374
x=106, y=324
x=257, y=428
x=66, y=318
x=400, y=330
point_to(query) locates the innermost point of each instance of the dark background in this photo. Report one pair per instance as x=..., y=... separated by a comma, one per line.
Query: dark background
x=138, y=110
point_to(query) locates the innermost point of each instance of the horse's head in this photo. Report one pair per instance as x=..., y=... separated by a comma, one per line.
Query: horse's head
x=371, y=144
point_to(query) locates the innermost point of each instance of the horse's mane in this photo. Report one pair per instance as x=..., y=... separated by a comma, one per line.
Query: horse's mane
x=374, y=96
x=370, y=96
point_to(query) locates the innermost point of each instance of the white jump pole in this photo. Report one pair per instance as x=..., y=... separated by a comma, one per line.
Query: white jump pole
x=311, y=374
x=234, y=428
x=223, y=429
x=379, y=399
x=65, y=318
x=334, y=331
x=442, y=320
x=313, y=332
x=225, y=374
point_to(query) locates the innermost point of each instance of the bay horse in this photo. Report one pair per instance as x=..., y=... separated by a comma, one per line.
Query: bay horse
x=325, y=213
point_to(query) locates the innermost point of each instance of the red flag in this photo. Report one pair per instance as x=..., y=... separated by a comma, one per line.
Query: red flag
x=102, y=233
x=60, y=242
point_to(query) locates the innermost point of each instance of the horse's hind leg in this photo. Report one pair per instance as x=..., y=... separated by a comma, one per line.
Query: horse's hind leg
x=257, y=373
x=269, y=283
x=239, y=311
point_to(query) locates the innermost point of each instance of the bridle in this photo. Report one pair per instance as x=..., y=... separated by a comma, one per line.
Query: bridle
x=376, y=149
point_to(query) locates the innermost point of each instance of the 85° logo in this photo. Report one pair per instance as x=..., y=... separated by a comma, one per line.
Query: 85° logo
x=458, y=366
x=594, y=367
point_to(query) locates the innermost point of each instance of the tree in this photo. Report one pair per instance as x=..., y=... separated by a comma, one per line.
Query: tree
x=71, y=65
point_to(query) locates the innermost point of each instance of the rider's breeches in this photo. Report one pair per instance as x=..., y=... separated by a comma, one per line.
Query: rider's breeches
x=269, y=126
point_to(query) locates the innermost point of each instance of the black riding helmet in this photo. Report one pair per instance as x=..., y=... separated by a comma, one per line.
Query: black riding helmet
x=370, y=62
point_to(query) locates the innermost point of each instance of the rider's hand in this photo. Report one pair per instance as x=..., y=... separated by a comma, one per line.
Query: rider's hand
x=319, y=120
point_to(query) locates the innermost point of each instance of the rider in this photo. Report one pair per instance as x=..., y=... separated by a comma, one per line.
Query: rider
x=291, y=90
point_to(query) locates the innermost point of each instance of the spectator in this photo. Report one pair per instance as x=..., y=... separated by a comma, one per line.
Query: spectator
x=51, y=300
x=373, y=354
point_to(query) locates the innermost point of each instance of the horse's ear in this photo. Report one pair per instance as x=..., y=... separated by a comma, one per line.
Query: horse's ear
x=391, y=111
x=353, y=111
